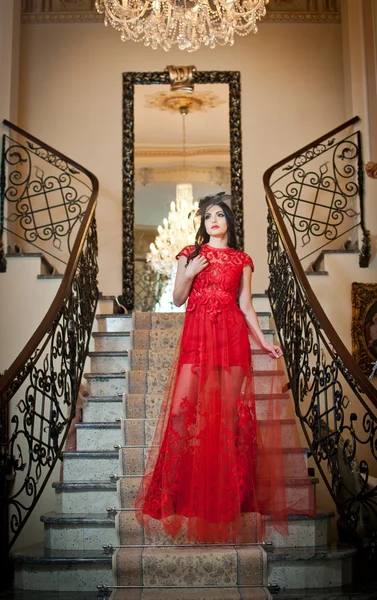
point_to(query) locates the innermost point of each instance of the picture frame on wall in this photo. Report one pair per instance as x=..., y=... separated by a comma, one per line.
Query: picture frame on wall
x=364, y=325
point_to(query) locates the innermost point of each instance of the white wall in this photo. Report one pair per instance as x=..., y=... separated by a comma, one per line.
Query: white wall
x=71, y=97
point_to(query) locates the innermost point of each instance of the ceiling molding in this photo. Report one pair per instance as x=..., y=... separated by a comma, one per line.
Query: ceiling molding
x=84, y=11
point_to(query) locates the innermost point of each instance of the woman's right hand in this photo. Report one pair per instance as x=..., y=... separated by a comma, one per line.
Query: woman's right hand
x=196, y=265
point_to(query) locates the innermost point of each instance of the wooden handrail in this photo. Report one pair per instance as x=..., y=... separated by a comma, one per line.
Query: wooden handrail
x=360, y=379
x=65, y=286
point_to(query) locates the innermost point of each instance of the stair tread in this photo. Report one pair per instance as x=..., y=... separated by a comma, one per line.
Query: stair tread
x=78, y=518
x=85, y=485
x=114, y=425
x=108, y=353
x=104, y=375
x=331, y=551
x=91, y=454
x=112, y=316
x=38, y=554
x=111, y=334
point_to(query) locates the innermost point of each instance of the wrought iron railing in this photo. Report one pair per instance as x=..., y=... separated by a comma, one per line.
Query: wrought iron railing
x=320, y=194
x=335, y=402
x=38, y=392
x=43, y=199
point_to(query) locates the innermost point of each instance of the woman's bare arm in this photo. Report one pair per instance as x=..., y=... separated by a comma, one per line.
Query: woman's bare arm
x=250, y=315
x=185, y=277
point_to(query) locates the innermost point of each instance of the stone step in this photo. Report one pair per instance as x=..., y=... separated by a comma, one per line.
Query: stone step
x=191, y=566
x=106, y=384
x=79, y=496
x=302, y=532
x=133, y=461
x=105, y=409
x=204, y=593
x=128, y=487
x=140, y=359
x=140, y=432
x=311, y=568
x=39, y=568
x=169, y=321
x=90, y=466
x=112, y=341
x=158, y=339
x=143, y=382
x=109, y=362
x=98, y=436
x=112, y=323
x=77, y=531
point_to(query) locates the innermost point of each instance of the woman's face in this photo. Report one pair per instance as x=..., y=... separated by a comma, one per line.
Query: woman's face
x=215, y=221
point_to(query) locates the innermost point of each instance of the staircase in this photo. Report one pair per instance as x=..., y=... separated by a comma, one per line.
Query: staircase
x=132, y=355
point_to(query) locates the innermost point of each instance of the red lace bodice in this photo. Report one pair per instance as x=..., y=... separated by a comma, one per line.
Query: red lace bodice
x=216, y=287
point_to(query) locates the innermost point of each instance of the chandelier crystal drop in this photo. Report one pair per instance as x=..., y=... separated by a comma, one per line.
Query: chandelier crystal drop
x=177, y=231
x=188, y=23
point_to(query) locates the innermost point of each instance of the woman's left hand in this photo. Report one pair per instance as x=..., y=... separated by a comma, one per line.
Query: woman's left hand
x=273, y=351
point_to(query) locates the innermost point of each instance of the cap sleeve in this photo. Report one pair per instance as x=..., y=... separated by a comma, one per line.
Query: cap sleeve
x=186, y=251
x=248, y=261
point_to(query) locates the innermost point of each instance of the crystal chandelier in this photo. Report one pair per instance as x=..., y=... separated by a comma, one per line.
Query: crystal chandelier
x=176, y=232
x=188, y=23
x=178, y=229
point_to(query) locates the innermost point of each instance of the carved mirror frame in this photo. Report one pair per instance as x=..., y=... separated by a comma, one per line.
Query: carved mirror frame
x=130, y=79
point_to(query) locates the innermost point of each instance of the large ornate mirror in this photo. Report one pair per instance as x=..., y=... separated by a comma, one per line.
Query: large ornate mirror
x=167, y=143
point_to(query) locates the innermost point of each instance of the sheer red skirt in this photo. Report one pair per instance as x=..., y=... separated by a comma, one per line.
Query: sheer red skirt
x=220, y=452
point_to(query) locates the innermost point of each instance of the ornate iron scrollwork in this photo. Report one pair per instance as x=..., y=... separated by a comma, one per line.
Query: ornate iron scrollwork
x=38, y=393
x=320, y=194
x=326, y=384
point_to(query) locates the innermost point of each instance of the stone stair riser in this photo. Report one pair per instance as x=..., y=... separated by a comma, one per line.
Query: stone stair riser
x=62, y=577
x=103, y=412
x=148, y=406
x=118, y=343
x=79, y=537
x=107, y=386
x=89, y=469
x=139, y=382
x=310, y=574
x=301, y=534
x=135, y=459
x=84, y=501
x=141, y=432
x=161, y=321
x=129, y=487
x=92, y=438
x=162, y=360
x=143, y=339
x=115, y=324
x=109, y=364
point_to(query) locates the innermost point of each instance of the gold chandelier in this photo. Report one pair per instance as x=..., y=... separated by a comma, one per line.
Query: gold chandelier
x=188, y=23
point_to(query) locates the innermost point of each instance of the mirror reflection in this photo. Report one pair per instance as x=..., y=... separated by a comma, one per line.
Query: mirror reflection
x=182, y=153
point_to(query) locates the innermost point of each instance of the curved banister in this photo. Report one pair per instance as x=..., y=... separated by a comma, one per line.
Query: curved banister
x=361, y=380
x=65, y=286
x=326, y=381
x=35, y=422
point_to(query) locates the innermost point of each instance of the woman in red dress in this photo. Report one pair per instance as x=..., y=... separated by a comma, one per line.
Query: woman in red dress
x=210, y=463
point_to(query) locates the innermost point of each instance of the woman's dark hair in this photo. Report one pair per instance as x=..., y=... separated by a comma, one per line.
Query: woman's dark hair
x=202, y=237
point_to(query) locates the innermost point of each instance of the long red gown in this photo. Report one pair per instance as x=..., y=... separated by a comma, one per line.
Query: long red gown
x=211, y=463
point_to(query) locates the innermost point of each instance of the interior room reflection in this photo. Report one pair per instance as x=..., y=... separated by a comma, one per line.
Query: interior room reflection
x=181, y=140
